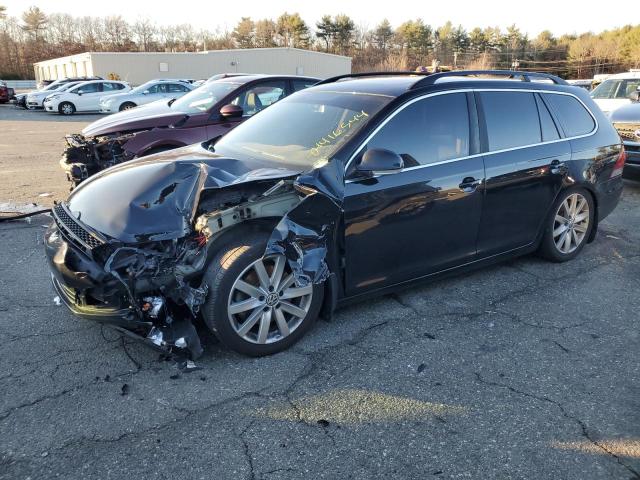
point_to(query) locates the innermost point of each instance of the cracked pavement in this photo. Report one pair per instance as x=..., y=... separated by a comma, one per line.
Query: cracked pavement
x=526, y=369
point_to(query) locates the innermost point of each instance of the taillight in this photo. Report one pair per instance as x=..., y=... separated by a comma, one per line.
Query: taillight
x=619, y=165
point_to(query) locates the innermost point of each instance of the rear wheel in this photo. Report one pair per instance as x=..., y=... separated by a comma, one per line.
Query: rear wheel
x=127, y=106
x=568, y=226
x=254, y=305
x=67, y=108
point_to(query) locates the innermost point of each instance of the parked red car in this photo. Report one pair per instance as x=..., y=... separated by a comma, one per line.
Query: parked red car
x=6, y=93
x=205, y=113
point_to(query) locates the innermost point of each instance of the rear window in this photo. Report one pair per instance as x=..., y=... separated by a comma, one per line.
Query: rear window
x=574, y=117
x=511, y=119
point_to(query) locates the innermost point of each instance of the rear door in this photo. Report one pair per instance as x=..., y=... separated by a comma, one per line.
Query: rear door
x=524, y=161
x=424, y=218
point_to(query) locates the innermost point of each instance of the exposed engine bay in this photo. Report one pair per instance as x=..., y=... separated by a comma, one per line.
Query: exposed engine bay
x=85, y=156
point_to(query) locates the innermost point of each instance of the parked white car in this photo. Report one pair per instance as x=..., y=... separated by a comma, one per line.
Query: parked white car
x=145, y=93
x=36, y=99
x=84, y=97
x=615, y=91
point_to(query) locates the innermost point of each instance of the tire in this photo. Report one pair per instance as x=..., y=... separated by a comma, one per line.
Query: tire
x=127, y=106
x=66, y=108
x=563, y=221
x=235, y=262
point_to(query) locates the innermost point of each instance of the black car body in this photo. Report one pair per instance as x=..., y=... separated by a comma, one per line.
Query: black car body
x=346, y=190
x=207, y=112
x=626, y=121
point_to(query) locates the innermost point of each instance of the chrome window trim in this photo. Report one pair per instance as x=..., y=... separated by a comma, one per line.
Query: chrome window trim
x=472, y=90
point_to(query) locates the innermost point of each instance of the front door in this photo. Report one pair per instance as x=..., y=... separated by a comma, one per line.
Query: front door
x=424, y=218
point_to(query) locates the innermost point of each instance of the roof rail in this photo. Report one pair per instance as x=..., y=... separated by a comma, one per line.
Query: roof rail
x=525, y=76
x=369, y=74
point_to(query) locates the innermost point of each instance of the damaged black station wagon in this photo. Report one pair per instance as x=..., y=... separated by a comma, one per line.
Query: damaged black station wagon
x=351, y=188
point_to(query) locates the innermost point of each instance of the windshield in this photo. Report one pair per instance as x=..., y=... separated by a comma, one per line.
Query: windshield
x=616, y=88
x=203, y=98
x=305, y=129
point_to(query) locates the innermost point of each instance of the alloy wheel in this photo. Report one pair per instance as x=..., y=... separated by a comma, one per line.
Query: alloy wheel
x=571, y=223
x=265, y=303
x=67, y=109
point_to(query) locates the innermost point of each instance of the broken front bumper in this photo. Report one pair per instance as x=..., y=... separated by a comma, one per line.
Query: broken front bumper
x=76, y=257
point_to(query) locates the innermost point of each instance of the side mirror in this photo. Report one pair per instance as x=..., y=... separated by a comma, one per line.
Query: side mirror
x=635, y=96
x=79, y=92
x=146, y=92
x=231, y=111
x=381, y=161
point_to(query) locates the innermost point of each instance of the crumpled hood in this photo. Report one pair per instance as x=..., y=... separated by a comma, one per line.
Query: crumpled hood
x=156, y=197
x=626, y=114
x=155, y=114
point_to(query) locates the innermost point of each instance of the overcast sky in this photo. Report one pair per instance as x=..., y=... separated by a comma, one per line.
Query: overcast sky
x=532, y=17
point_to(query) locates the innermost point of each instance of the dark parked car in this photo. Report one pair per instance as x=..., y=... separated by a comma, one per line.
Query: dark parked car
x=346, y=190
x=207, y=112
x=626, y=121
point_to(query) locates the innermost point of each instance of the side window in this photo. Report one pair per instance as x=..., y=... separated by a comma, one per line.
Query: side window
x=302, y=84
x=154, y=88
x=90, y=87
x=574, y=118
x=547, y=125
x=511, y=119
x=428, y=131
x=260, y=96
x=627, y=88
x=110, y=87
x=176, y=88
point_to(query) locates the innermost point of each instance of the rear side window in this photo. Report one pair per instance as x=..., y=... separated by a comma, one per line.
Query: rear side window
x=511, y=119
x=428, y=131
x=547, y=125
x=574, y=117
x=302, y=84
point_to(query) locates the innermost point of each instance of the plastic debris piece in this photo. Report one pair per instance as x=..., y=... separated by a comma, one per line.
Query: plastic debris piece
x=57, y=300
x=125, y=389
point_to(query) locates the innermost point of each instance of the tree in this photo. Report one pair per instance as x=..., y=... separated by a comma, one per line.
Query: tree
x=34, y=21
x=344, y=31
x=478, y=41
x=265, y=33
x=292, y=30
x=244, y=33
x=382, y=35
x=415, y=36
x=326, y=30
x=144, y=31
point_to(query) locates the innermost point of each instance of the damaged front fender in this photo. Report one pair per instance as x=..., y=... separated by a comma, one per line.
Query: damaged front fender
x=159, y=220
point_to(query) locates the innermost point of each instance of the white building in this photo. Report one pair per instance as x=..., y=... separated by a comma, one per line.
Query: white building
x=138, y=67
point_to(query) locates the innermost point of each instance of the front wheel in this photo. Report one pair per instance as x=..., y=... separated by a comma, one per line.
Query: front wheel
x=127, y=106
x=254, y=304
x=569, y=226
x=67, y=108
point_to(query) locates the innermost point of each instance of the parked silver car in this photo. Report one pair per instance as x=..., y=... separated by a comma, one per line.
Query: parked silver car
x=36, y=99
x=146, y=93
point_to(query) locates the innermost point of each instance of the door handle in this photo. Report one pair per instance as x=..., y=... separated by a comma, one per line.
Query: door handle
x=469, y=184
x=557, y=167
